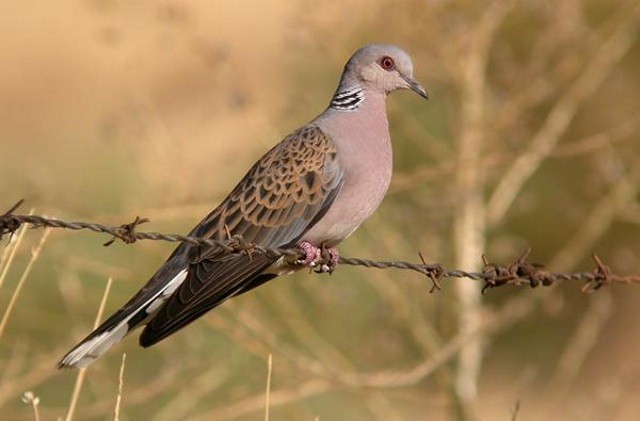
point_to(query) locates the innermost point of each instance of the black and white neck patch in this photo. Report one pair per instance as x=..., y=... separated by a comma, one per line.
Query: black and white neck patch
x=348, y=99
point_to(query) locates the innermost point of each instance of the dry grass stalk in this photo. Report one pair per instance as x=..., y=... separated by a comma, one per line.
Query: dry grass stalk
x=469, y=225
x=268, y=393
x=278, y=398
x=559, y=118
x=116, y=412
x=11, y=252
x=35, y=253
x=582, y=342
x=81, y=373
x=30, y=398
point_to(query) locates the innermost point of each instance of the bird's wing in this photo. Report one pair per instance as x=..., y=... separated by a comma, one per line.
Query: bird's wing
x=281, y=197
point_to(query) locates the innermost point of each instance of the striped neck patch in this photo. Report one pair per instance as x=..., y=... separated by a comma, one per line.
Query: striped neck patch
x=348, y=100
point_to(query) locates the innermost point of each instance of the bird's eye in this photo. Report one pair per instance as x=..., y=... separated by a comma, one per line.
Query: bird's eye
x=387, y=63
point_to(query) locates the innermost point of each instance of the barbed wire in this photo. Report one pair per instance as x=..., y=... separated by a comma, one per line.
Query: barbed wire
x=518, y=273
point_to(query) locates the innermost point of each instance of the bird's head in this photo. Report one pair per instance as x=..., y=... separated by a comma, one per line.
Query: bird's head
x=382, y=68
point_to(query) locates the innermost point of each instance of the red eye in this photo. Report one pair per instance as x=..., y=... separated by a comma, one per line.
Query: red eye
x=387, y=63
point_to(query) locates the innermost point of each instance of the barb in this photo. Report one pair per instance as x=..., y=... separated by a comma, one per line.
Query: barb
x=9, y=225
x=521, y=272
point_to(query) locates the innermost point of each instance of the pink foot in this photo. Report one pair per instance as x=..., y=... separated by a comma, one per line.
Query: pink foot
x=322, y=260
x=331, y=261
x=312, y=254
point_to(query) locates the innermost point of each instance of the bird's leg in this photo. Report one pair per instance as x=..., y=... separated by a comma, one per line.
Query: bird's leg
x=321, y=259
x=330, y=258
x=312, y=254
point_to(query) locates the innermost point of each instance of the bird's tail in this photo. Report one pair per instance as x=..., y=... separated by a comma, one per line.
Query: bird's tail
x=97, y=343
x=132, y=315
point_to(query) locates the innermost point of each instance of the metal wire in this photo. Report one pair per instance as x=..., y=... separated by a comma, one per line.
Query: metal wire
x=520, y=272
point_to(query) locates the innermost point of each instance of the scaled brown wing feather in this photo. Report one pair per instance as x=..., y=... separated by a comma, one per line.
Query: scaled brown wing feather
x=281, y=197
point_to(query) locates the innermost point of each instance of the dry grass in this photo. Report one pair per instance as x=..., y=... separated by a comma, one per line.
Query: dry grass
x=268, y=393
x=116, y=411
x=29, y=398
x=83, y=371
x=10, y=253
x=35, y=253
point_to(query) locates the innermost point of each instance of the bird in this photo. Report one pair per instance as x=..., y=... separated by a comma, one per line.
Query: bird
x=310, y=192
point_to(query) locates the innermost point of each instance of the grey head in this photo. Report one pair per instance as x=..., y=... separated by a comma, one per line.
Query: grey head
x=378, y=68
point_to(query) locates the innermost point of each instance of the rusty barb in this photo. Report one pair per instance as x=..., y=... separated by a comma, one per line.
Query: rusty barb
x=521, y=272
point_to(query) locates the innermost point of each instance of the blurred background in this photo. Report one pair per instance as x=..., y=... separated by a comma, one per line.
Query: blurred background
x=112, y=109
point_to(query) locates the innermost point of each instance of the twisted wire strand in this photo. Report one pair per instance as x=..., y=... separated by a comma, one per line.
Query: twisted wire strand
x=520, y=272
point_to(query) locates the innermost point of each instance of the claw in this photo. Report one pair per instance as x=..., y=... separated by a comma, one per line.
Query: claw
x=312, y=254
x=322, y=260
x=331, y=259
x=334, y=257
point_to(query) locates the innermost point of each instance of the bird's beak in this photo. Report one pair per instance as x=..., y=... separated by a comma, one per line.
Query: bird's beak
x=415, y=87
